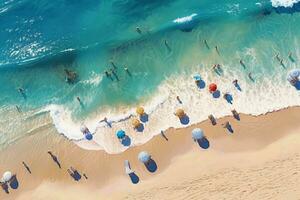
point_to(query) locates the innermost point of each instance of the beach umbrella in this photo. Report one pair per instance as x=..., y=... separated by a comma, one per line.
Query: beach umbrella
x=197, y=77
x=212, y=87
x=180, y=113
x=140, y=110
x=6, y=176
x=197, y=134
x=136, y=123
x=293, y=76
x=144, y=157
x=88, y=136
x=120, y=134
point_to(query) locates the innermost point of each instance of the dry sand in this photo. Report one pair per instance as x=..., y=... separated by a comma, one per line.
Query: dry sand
x=260, y=160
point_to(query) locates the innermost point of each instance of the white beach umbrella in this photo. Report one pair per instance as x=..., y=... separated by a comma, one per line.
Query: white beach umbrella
x=6, y=176
x=144, y=157
x=197, y=134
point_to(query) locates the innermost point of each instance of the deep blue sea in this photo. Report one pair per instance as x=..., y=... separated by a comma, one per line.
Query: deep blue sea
x=40, y=39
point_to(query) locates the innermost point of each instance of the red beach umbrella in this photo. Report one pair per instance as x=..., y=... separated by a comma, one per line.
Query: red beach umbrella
x=212, y=87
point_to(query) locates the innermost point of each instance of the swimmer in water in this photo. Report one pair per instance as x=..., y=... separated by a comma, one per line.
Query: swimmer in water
x=206, y=44
x=78, y=99
x=217, y=49
x=250, y=76
x=138, y=30
x=242, y=63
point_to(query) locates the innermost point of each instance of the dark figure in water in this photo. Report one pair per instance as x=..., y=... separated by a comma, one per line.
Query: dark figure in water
x=18, y=109
x=242, y=63
x=277, y=57
x=54, y=158
x=71, y=76
x=138, y=30
x=113, y=64
x=167, y=45
x=291, y=57
x=127, y=71
x=26, y=167
x=115, y=74
x=108, y=75
x=206, y=44
x=22, y=92
x=217, y=50
x=250, y=77
x=281, y=63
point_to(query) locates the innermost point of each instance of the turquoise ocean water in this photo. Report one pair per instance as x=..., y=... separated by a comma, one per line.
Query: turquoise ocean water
x=39, y=39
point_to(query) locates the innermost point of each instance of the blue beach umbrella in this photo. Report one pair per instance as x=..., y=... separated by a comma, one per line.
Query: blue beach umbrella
x=120, y=134
x=197, y=134
x=293, y=76
x=88, y=136
x=144, y=157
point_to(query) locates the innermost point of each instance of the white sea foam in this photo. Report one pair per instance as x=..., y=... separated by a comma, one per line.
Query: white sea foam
x=185, y=19
x=268, y=95
x=284, y=3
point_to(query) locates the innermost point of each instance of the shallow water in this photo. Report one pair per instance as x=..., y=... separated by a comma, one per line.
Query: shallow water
x=45, y=38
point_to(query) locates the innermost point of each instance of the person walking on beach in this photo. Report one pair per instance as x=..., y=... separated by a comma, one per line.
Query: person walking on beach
x=54, y=158
x=26, y=167
x=178, y=99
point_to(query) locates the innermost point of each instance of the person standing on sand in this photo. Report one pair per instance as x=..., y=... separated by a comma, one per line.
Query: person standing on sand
x=26, y=167
x=178, y=99
x=54, y=158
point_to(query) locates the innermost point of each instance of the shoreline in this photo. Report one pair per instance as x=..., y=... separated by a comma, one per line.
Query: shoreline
x=103, y=169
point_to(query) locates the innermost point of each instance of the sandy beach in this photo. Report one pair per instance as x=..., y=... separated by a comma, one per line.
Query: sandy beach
x=260, y=160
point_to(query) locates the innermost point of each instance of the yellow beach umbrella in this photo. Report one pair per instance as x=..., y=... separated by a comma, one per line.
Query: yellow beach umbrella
x=136, y=123
x=180, y=113
x=140, y=110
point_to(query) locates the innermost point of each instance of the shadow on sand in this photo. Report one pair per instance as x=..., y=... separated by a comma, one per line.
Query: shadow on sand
x=297, y=85
x=140, y=128
x=185, y=120
x=126, y=141
x=14, y=183
x=151, y=166
x=144, y=118
x=134, y=178
x=201, y=84
x=203, y=143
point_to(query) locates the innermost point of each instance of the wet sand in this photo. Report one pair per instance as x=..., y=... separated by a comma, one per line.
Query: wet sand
x=260, y=160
